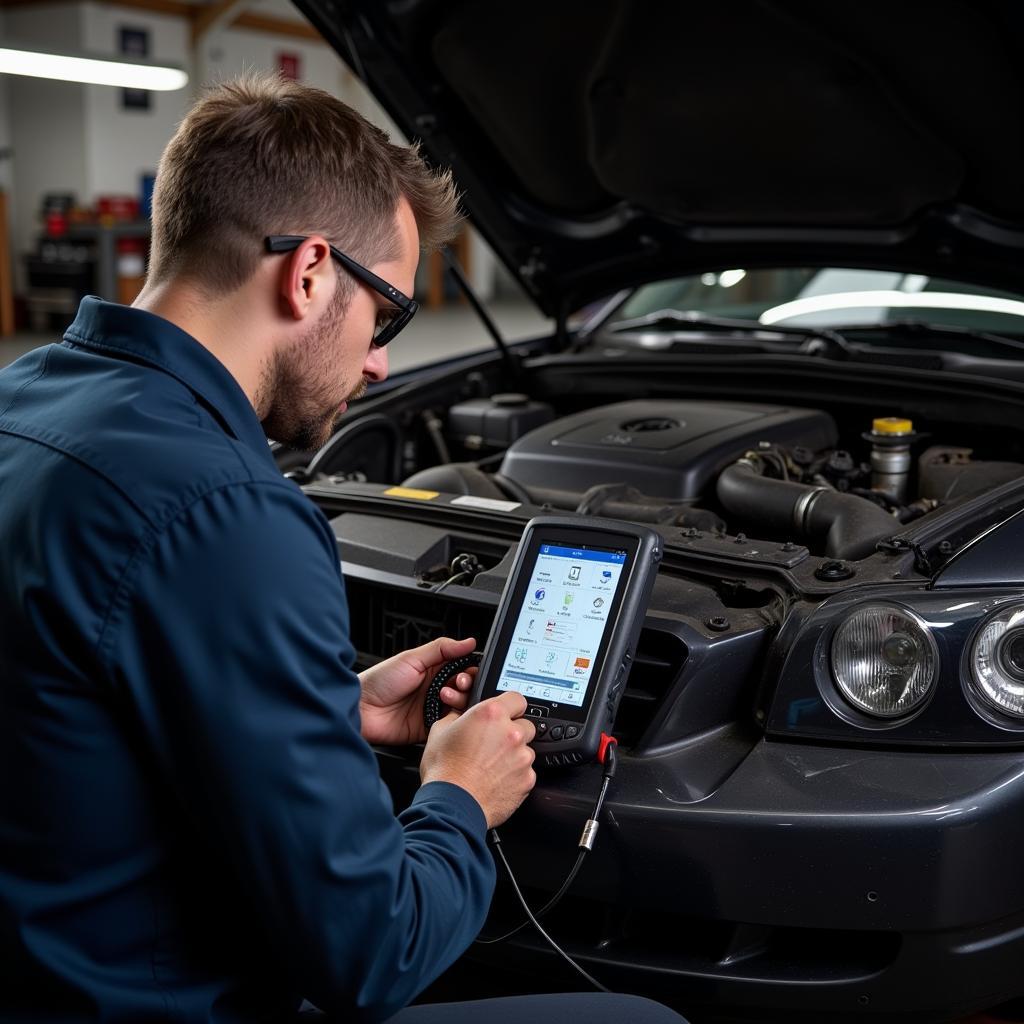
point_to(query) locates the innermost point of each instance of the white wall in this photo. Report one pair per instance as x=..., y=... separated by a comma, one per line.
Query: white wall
x=228, y=52
x=121, y=145
x=6, y=165
x=79, y=138
x=232, y=51
x=47, y=122
x=6, y=175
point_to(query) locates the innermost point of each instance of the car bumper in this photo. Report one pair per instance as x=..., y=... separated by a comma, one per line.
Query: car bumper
x=783, y=877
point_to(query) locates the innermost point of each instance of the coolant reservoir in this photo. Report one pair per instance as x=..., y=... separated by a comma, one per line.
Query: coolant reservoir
x=891, y=438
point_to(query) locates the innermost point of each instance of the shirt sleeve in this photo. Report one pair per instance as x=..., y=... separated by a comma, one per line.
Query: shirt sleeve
x=229, y=635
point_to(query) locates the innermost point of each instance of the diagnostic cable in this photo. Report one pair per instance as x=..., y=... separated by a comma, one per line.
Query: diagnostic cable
x=433, y=709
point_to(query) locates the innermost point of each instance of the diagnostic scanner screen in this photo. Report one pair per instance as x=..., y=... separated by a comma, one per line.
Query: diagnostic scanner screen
x=561, y=623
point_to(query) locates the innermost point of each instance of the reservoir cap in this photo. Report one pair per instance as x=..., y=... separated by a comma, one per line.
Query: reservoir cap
x=891, y=426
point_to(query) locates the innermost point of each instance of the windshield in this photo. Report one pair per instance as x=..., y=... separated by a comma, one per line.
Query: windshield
x=829, y=297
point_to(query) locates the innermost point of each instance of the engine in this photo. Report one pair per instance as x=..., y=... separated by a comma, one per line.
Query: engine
x=773, y=472
x=669, y=450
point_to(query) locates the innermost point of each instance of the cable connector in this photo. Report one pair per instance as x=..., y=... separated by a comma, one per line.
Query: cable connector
x=589, y=834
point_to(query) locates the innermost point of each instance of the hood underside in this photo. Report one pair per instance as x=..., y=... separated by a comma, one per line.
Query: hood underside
x=603, y=143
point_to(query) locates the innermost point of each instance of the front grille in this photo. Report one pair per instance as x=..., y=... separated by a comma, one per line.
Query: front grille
x=657, y=663
x=386, y=620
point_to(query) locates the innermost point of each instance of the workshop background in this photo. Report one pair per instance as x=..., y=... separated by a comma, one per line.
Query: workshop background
x=77, y=163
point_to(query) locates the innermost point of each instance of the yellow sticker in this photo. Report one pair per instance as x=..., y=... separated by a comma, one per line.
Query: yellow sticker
x=411, y=492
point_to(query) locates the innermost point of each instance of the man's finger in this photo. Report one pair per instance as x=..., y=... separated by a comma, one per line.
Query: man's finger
x=527, y=728
x=453, y=698
x=445, y=649
x=513, y=701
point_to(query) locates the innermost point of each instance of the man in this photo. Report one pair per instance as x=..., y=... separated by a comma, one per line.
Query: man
x=192, y=825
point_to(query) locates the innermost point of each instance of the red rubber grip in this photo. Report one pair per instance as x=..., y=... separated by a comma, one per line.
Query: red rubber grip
x=606, y=742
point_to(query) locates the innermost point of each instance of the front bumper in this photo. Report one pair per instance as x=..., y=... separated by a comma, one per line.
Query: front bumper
x=777, y=877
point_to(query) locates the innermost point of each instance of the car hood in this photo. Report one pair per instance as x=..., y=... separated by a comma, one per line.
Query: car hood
x=603, y=143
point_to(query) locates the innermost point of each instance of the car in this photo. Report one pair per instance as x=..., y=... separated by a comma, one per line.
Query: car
x=797, y=232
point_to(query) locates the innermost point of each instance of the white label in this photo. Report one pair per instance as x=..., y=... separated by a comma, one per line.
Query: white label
x=491, y=503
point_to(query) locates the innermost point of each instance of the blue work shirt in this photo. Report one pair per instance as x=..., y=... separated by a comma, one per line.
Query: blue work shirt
x=191, y=825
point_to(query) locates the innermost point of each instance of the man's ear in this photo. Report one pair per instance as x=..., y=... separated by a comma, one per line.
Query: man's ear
x=307, y=277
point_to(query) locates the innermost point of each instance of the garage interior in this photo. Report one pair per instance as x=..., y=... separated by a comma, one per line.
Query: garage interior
x=77, y=162
x=77, y=166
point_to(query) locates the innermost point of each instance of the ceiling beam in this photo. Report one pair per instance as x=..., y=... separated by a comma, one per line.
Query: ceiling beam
x=193, y=11
x=215, y=15
x=277, y=26
x=180, y=8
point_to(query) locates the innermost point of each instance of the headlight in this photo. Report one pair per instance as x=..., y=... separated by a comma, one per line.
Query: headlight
x=884, y=661
x=997, y=661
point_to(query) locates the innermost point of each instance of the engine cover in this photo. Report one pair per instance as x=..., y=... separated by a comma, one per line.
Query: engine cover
x=664, y=449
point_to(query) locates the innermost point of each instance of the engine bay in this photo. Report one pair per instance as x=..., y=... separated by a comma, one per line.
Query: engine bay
x=768, y=472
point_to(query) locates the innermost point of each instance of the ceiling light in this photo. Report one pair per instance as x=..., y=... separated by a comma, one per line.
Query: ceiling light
x=91, y=70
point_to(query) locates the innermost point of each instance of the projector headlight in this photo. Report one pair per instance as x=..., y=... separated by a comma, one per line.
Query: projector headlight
x=884, y=661
x=997, y=661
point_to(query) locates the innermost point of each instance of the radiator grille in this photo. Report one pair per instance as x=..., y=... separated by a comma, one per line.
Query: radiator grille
x=386, y=620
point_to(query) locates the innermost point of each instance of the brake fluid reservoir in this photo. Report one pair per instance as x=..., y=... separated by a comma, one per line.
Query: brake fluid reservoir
x=891, y=438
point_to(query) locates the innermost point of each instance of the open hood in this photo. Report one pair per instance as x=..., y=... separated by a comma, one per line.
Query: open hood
x=605, y=143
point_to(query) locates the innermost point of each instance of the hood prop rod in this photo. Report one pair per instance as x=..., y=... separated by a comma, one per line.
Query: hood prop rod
x=511, y=364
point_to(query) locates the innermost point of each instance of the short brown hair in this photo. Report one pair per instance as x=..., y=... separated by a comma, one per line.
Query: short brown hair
x=262, y=155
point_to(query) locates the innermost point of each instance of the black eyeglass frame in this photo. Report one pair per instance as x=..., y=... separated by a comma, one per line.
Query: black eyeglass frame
x=407, y=307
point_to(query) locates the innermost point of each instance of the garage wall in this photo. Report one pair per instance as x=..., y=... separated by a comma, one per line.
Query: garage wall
x=230, y=52
x=6, y=176
x=123, y=144
x=77, y=138
x=6, y=166
x=47, y=121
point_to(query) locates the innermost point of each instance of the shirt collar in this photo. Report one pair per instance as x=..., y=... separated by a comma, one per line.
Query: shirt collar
x=148, y=338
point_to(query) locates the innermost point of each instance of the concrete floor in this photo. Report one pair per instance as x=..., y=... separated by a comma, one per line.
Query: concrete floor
x=434, y=334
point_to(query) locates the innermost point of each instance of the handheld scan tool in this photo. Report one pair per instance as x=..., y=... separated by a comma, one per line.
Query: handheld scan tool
x=566, y=628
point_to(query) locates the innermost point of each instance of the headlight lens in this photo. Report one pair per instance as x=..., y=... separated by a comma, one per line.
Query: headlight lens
x=884, y=661
x=997, y=661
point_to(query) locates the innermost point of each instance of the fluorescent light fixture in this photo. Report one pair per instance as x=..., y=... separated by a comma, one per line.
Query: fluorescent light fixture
x=91, y=70
x=890, y=300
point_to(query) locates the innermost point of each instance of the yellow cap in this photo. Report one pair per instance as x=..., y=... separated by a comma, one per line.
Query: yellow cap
x=891, y=425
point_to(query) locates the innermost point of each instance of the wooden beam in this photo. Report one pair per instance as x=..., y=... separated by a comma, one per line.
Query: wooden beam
x=214, y=15
x=179, y=8
x=277, y=26
x=195, y=12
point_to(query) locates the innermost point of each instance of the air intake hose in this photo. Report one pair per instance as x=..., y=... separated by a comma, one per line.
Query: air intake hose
x=850, y=526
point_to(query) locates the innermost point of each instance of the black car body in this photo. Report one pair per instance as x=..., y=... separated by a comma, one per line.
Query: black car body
x=774, y=843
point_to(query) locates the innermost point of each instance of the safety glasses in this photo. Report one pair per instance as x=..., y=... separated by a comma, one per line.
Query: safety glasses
x=397, y=316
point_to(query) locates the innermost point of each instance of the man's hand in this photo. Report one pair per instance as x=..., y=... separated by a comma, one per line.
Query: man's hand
x=486, y=752
x=391, y=705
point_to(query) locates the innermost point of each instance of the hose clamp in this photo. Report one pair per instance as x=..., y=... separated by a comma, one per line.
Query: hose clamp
x=802, y=508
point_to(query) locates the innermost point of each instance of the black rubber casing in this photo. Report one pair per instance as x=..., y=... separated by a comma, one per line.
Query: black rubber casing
x=618, y=645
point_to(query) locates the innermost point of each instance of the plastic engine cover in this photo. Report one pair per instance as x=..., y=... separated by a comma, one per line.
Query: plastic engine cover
x=664, y=449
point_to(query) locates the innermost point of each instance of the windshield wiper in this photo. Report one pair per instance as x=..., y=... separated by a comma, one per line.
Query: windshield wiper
x=814, y=340
x=922, y=330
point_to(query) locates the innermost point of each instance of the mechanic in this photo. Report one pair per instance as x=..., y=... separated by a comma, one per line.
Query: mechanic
x=192, y=821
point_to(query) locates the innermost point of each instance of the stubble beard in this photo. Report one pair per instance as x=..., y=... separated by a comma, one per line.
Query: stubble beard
x=299, y=388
